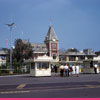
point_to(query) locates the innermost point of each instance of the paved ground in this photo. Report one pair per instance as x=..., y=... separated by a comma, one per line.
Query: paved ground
x=86, y=85
x=27, y=79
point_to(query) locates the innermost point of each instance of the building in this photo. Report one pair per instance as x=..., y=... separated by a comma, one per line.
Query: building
x=3, y=56
x=44, y=55
x=50, y=46
x=97, y=53
x=39, y=49
x=73, y=55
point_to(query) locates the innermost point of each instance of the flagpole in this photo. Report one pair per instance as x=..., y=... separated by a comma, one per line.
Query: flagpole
x=22, y=34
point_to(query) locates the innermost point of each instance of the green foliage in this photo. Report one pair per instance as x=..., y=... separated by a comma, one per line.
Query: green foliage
x=4, y=66
x=23, y=50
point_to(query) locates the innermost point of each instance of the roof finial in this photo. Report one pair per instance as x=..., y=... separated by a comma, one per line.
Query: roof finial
x=50, y=21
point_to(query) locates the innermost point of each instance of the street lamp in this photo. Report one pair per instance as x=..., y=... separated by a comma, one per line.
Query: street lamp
x=10, y=27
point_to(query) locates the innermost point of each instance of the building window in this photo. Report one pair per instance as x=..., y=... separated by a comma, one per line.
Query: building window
x=32, y=65
x=90, y=57
x=72, y=58
x=62, y=58
x=81, y=58
x=54, y=56
x=91, y=64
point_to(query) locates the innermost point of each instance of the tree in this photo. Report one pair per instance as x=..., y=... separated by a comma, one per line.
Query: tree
x=23, y=50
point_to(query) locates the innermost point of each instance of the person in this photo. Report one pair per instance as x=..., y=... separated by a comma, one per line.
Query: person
x=95, y=68
x=52, y=68
x=77, y=70
x=66, y=70
x=55, y=69
x=81, y=67
x=61, y=70
x=70, y=69
x=73, y=69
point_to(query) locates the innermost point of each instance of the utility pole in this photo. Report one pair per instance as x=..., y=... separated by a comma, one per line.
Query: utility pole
x=10, y=27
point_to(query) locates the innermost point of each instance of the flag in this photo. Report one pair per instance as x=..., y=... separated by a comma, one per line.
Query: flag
x=23, y=52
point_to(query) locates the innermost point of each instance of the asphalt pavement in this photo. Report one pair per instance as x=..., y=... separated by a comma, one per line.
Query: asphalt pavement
x=27, y=79
x=24, y=86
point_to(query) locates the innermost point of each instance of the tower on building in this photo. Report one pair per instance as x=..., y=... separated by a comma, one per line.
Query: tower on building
x=51, y=42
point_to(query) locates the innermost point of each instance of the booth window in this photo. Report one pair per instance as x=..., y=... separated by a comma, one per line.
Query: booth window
x=32, y=65
x=39, y=66
x=45, y=65
x=42, y=65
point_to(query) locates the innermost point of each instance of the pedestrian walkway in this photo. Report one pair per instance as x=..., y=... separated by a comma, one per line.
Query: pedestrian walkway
x=15, y=75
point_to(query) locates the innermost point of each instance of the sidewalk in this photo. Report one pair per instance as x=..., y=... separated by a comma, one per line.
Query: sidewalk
x=15, y=75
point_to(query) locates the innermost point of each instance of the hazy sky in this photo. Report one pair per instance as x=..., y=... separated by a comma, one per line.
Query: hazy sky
x=76, y=22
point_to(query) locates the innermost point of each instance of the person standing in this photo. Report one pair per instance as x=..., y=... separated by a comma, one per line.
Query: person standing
x=55, y=69
x=95, y=68
x=52, y=68
x=61, y=70
x=70, y=69
x=77, y=70
x=66, y=70
x=73, y=69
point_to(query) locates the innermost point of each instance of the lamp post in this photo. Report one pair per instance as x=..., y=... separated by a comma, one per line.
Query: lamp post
x=10, y=27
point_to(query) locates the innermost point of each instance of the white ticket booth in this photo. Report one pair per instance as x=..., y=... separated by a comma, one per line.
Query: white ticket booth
x=41, y=66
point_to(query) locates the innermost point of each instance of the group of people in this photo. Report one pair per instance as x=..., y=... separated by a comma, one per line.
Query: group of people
x=73, y=70
x=66, y=69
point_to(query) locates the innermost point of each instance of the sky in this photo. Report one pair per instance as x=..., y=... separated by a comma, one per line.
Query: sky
x=76, y=22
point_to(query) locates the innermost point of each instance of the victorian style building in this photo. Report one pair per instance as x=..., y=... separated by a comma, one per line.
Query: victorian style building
x=50, y=46
x=73, y=55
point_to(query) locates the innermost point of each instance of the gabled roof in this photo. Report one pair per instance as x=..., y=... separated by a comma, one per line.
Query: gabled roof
x=51, y=35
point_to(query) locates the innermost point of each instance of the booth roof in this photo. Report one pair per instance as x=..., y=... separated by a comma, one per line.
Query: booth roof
x=40, y=59
x=44, y=58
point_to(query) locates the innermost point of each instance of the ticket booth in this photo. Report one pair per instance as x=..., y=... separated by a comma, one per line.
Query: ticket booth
x=88, y=66
x=41, y=66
